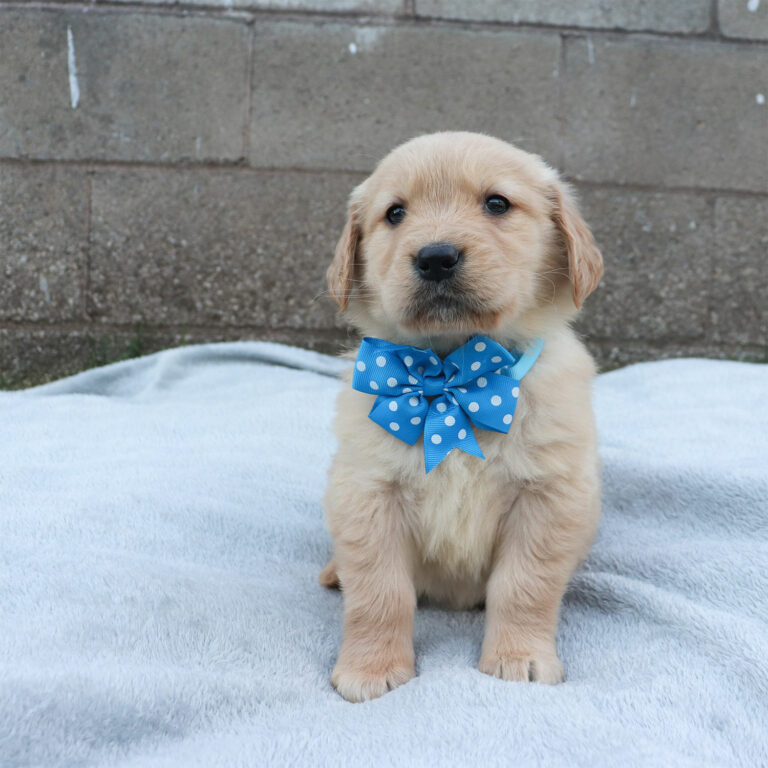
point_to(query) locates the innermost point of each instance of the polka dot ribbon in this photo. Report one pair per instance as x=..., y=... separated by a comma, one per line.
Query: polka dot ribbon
x=418, y=393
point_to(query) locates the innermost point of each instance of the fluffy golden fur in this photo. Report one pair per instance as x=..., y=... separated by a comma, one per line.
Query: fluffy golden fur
x=507, y=531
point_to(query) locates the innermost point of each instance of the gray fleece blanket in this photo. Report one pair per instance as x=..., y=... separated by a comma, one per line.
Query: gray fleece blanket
x=161, y=532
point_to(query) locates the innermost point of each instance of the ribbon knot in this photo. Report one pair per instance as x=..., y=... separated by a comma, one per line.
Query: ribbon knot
x=479, y=383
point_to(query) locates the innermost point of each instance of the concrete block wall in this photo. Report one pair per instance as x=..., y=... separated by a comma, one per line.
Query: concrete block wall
x=177, y=172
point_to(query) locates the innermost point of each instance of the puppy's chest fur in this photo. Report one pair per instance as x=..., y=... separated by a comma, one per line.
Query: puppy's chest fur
x=454, y=521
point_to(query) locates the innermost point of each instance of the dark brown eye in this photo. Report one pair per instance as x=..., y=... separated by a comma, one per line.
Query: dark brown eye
x=395, y=214
x=496, y=205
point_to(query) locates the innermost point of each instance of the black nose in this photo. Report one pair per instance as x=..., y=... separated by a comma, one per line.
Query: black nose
x=437, y=261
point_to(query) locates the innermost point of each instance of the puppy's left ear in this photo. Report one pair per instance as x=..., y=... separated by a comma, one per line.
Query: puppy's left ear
x=341, y=272
x=585, y=264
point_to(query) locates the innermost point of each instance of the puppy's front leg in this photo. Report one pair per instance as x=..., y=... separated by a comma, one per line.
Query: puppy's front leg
x=540, y=544
x=374, y=559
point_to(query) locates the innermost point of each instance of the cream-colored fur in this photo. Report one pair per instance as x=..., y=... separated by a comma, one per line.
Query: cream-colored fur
x=507, y=531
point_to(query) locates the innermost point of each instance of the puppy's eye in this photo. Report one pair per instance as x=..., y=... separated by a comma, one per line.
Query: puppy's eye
x=395, y=214
x=496, y=205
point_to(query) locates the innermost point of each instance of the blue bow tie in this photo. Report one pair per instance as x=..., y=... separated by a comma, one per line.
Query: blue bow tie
x=478, y=383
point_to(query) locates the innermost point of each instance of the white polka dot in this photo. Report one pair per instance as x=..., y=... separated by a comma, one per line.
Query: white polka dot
x=496, y=359
x=413, y=380
x=433, y=360
x=408, y=360
x=475, y=366
x=441, y=407
x=436, y=439
x=480, y=346
x=454, y=400
x=474, y=407
x=394, y=426
x=482, y=381
x=414, y=401
x=392, y=405
x=449, y=421
x=381, y=361
x=391, y=381
x=495, y=400
x=507, y=418
x=407, y=389
x=416, y=420
x=373, y=385
x=360, y=365
x=462, y=434
x=462, y=390
x=516, y=392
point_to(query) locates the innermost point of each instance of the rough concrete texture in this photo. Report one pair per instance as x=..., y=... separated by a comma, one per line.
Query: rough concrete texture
x=33, y=356
x=172, y=175
x=692, y=16
x=325, y=6
x=613, y=354
x=43, y=240
x=659, y=253
x=739, y=291
x=667, y=113
x=117, y=86
x=215, y=247
x=747, y=19
x=364, y=89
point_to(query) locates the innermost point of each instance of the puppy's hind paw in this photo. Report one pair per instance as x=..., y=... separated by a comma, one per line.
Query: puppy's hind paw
x=523, y=668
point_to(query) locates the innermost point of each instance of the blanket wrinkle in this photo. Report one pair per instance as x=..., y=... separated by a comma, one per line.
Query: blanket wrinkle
x=161, y=532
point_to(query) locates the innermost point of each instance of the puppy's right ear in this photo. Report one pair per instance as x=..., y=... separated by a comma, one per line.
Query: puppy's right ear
x=341, y=272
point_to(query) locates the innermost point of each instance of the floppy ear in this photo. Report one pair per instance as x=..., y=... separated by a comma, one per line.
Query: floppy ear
x=585, y=264
x=341, y=272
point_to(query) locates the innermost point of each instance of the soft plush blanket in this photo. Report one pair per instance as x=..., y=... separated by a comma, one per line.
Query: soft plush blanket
x=161, y=532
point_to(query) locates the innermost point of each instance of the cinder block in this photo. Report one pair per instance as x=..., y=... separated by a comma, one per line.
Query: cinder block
x=122, y=86
x=43, y=238
x=739, y=290
x=658, y=250
x=666, y=113
x=342, y=96
x=215, y=247
x=31, y=356
x=616, y=354
x=688, y=16
x=743, y=18
x=328, y=6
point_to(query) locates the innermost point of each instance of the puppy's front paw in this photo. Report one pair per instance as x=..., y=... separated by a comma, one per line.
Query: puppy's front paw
x=523, y=667
x=362, y=684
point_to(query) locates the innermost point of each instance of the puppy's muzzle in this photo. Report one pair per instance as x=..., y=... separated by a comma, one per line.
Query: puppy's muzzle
x=438, y=261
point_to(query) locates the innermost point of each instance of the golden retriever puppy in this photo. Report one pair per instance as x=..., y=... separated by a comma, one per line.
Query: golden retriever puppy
x=457, y=235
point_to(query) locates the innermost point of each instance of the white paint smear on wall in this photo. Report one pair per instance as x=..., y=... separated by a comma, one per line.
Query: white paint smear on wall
x=44, y=289
x=74, y=87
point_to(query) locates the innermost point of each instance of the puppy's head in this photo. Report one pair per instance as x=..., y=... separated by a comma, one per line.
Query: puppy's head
x=459, y=233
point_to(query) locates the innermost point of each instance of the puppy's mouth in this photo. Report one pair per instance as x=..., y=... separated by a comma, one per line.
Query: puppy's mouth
x=446, y=306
